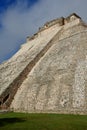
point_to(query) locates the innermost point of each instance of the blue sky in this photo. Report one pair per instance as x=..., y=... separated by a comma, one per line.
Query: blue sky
x=4, y=4
x=22, y=18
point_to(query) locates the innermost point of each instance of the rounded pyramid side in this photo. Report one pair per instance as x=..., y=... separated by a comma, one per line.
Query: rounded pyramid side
x=57, y=83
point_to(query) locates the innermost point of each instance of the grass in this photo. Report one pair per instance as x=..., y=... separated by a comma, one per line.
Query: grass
x=21, y=121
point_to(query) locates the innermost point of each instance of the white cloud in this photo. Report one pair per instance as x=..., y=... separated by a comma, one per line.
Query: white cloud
x=19, y=20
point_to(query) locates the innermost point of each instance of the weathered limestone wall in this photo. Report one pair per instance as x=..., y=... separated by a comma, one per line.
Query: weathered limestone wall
x=57, y=83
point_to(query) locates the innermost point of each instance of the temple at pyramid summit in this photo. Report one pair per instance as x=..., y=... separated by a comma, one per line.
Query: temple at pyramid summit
x=49, y=72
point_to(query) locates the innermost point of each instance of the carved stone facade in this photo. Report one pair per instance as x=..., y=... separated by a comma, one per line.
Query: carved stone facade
x=48, y=73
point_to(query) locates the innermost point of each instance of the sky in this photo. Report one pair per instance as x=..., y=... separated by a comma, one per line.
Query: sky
x=22, y=18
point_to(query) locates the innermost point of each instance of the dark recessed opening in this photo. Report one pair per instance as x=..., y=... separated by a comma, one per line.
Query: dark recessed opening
x=0, y=103
x=6, y=98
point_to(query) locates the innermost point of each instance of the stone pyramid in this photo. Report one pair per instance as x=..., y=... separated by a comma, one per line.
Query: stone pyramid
x=49, y=72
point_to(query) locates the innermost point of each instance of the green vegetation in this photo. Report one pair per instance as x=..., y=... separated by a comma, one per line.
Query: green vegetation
x=21, y=121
